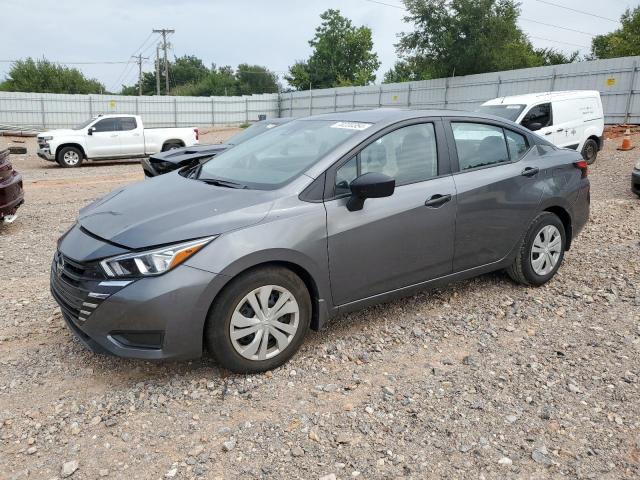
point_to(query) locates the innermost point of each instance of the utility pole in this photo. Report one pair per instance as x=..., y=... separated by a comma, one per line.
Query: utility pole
x=164, y=32
x=158, y=69
x=139, y=59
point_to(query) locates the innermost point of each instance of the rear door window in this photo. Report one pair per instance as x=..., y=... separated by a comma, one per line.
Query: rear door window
x=517, y=145
x=127, y=123
x=541, y=114
x=479, y=145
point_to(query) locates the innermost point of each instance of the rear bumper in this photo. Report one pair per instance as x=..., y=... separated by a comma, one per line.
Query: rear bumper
x=11, y=194
x=581, y=208
x=635, y=182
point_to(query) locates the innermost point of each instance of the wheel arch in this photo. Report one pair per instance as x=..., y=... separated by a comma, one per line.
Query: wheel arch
x=71, y=144
x=318, y=293
x=565, y=217
x=173, y=141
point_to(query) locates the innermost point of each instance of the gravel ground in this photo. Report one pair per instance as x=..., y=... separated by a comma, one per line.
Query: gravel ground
x=483, y=379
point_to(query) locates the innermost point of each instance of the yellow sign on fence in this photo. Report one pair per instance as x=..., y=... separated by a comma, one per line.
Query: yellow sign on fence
x=112, y=104
x=611, y=82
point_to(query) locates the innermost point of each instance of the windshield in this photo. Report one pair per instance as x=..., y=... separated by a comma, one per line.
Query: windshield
x=253, y=131
x=510, y=112
x=84, y=124
x=271, y=160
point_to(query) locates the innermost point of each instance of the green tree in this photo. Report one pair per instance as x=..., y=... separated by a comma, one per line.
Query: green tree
x=622, y=42
x=342, y=55
x=464, y=37
x=184, y=70
x=43, y=76
x=255, y=79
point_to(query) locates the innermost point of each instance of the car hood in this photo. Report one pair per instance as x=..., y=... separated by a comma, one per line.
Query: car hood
x=184, y=156
x=171, y=208
x=62, y=132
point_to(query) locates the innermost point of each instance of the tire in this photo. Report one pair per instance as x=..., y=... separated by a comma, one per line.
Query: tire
x=590, y=151
x=531, y=268
x=70, y=157
x=232, y=316
x=170, y=146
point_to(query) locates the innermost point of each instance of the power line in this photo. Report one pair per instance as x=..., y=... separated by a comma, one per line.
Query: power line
x=75, y=63
x=578, y=11
x=559, y=41
x=557, y=26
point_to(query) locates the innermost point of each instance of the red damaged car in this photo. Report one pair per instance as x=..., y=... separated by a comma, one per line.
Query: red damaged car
x=11, y=192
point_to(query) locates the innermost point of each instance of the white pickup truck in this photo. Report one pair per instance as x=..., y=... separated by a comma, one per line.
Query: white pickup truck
x=108, y=137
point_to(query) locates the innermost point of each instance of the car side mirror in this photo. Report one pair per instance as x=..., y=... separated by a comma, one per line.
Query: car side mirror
x=533, y=126
x=369, y=185
x=90, y=131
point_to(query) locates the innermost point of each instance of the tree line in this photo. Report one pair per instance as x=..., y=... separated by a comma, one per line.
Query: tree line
x=449, y=37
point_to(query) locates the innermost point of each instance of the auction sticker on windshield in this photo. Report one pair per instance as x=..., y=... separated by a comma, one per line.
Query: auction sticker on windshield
x=351, y=125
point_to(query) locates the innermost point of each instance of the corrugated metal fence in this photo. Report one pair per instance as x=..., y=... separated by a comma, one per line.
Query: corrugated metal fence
x=48, y=110
x=616, y=79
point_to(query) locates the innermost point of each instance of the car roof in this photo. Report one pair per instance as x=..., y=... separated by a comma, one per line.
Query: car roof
x=392, y=115
x=541, y=96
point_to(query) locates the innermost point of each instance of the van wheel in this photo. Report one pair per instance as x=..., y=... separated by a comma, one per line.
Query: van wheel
x=69, y=157
x=541, y=251
x=259, y=320
x=590, y=151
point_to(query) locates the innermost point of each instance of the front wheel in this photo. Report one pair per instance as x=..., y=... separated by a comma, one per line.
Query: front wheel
x=259, y=320
x=69, y=157
x=590, y=151
x=541, y=251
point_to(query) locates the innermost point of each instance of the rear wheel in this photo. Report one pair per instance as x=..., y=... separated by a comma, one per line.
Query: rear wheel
x=541, y=251
x=171, y=146
x=259, y=320
x=590, y=151
x=69, y=157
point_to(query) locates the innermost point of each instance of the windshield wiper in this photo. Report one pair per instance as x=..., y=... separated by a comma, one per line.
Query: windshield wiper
x=222, y=183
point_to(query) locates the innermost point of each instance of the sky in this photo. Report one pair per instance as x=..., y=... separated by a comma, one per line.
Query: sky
x=272, y=33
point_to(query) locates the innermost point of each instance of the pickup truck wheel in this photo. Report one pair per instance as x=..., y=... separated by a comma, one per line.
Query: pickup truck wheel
x=170, y=146
x=69, y=157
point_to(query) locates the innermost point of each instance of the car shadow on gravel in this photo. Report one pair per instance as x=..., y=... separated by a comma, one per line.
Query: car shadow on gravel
x=123, y=373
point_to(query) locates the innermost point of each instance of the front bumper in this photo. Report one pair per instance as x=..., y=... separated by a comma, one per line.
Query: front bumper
x=45, y=153
x=635, y=181
x=154, y=318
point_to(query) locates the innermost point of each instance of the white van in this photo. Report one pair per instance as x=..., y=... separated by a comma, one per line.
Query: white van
x=571, y=119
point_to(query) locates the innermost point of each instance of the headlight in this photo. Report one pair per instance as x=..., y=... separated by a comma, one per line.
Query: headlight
x=637, y=167
x=46, y=138
x=152, y=262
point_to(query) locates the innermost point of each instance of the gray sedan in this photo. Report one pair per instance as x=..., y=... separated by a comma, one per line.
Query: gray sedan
x=321, y=216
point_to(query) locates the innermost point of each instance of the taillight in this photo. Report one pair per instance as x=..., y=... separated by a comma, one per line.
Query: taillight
x=197, y=132
x=583, y=166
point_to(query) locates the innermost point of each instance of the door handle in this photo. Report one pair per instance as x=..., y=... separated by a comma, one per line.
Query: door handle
x=530, y=171
x=560, y=130
x=548, y=133
x=437, y=200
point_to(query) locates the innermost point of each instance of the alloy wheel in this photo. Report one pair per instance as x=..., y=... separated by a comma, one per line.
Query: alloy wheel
x=71, y=158
x=264, y=322
x=546, y=250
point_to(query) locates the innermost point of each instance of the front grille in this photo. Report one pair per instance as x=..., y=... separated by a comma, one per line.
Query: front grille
x=77, y=287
